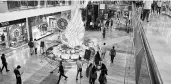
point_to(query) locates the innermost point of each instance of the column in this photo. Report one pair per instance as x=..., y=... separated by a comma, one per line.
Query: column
x=29, y=28
x=7, y=38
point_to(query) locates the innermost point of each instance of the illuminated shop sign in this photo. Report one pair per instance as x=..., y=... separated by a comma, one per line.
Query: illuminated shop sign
x=3, y=24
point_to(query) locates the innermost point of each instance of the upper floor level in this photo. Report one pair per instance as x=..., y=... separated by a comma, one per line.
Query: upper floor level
x=18, y=9
x=18, y=5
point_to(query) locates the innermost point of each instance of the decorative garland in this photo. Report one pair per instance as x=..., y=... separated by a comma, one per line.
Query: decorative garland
x=62, y=23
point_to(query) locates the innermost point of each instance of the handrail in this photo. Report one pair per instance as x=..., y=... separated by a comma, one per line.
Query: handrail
x=156, y=77
x=147, y=63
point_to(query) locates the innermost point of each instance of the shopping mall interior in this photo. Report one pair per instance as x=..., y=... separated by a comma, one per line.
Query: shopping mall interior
x=85, y=42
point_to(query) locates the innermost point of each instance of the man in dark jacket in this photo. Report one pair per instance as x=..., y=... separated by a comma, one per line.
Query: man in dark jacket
x=4, y=63
x=112, y=53
x=18, y=75
x=61, y=70
x=31, y=46
x=104, y=33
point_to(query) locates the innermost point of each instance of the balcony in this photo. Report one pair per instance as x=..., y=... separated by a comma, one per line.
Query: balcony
x=23, y=9
x=10, y=6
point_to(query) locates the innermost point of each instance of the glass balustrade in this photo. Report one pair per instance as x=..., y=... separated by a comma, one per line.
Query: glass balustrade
x=18, y=5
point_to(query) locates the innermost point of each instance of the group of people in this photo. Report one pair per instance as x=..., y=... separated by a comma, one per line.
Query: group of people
x=93, y=68
x=108, y=25
x=16, y=70
x=99, y=57
x=91, y=73
x=33, y=45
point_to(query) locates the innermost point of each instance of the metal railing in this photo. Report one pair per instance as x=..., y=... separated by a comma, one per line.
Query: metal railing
x=151, y=66
x=153, y=69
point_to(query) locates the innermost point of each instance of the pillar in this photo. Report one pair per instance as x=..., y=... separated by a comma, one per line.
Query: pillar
x=29, y=28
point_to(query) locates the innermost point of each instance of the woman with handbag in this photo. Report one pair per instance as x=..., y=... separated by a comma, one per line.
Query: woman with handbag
x=104, y=71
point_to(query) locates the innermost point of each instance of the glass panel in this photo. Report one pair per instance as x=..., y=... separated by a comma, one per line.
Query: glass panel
x=42, y=3
x=57, y=3
x=24, y=5
x=13, y=5
x=51, y=3
x=63, y=2
x=36, y=4
x=3, y=36
x=69, y=2
x=31, y=4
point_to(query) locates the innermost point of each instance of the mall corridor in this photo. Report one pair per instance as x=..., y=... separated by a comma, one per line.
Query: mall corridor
x=67, y=30
x=37, y=72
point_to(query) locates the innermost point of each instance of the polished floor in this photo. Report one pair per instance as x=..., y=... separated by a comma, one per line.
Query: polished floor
x=37, y=70
x=158, y=32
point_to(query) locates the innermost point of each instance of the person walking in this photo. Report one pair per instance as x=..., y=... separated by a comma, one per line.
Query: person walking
x=146, y=10
x=97, y=59
x=102, y=78
x=88, y=71
x=42, y=47
x=93, y=75
x=104, y=32
x=79, y=68
x=103, y=50
x=159, y=5
x=35, y=46
x=18, y=75
x=111, y=24
x=104, y=70
x=4, y=63
x=31, y=46
x=61, y=71
x=112, y=53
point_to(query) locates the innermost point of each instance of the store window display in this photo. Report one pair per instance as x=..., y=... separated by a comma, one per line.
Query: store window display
x=13, y=33
x=39, y=27
x=44, y=25
x=17, y=34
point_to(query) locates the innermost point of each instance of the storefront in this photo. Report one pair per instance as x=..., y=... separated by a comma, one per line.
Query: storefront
x=13, y=33
x=43, y=25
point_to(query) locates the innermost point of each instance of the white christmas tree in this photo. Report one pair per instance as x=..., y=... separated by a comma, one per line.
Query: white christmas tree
x=75, y=30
